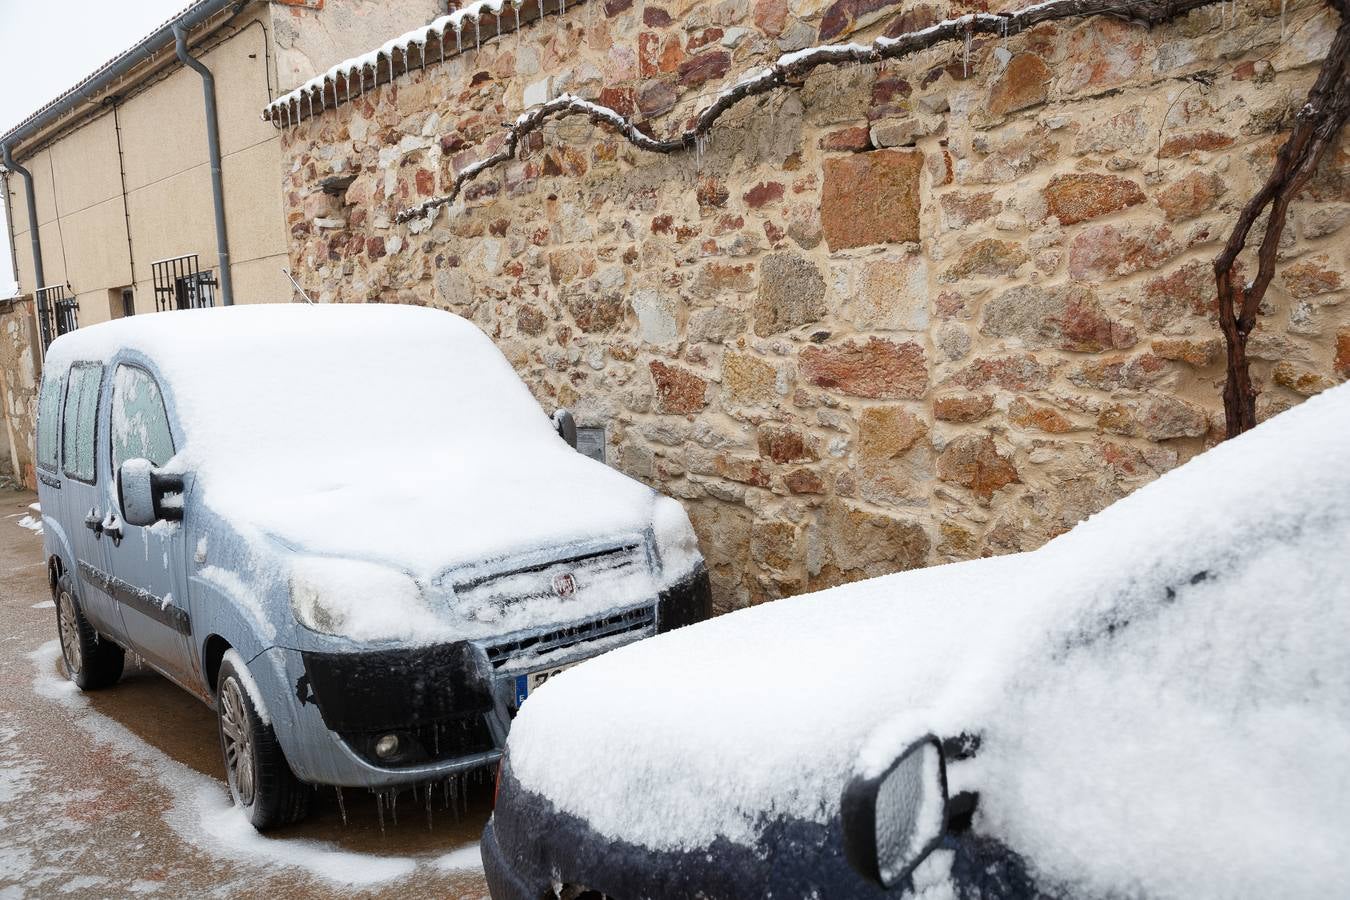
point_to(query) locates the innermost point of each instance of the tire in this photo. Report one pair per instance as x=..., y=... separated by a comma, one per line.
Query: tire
x=91, y=660
x=261, y=781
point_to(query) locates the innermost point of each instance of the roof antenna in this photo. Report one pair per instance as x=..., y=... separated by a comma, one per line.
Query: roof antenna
x=287, y=273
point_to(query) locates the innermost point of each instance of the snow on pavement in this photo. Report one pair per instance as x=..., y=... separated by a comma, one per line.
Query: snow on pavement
x=200, y=810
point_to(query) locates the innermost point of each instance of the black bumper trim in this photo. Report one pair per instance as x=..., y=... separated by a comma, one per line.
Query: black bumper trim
x=685, y=602
x=399, y=689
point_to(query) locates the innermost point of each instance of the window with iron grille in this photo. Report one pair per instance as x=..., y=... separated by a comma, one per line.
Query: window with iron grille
x=179, y=284
x=57, y=312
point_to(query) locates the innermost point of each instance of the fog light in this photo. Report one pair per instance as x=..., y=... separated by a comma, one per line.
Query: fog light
x=387, y=746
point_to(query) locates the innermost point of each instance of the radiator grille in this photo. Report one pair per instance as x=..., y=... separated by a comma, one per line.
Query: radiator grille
x=636, y=621
x=580, y=574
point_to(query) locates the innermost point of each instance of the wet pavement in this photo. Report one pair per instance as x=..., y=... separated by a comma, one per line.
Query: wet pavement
x=121, y=792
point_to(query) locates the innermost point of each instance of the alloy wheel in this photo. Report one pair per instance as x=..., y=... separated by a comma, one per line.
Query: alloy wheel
x=237, y=736
x=68, y=623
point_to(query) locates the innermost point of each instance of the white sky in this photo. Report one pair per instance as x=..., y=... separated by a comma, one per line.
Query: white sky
x=46, y=46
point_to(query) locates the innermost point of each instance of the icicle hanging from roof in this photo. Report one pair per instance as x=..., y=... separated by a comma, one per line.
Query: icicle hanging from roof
x=288, y=109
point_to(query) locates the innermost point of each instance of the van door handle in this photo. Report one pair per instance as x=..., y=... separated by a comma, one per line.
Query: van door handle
x=94, y=523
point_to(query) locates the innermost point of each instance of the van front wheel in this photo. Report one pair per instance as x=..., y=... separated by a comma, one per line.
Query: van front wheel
x=91, y=661
x=261, y=781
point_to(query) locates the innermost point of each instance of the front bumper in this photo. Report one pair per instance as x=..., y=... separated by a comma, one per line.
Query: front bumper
x=531, y=849
x=451, y=705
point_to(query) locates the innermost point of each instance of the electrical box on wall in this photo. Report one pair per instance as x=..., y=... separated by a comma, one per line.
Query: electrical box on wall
x=591, y=441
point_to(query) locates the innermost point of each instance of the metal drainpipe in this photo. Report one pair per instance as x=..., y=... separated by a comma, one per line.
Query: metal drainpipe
x=33, y=237
x=213, y=148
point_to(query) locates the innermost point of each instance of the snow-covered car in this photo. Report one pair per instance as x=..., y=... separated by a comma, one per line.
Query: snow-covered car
x=349, y=529
x=1154, y=704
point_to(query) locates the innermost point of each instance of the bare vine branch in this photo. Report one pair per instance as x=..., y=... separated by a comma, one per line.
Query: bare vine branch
x=791, y=68
x=1316, y=126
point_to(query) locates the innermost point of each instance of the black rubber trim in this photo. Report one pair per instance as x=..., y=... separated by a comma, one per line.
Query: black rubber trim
x=139, y=599
x=685, y=602
x=399, y=689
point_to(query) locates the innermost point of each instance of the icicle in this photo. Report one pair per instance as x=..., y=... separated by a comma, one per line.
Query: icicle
x=342, y=807
x=393, y=804
x=965, y=58
x=541, y=9
x=428, y=806
x=515, y=7
x=477, y=36
x=562, y=7
x=1283, y=5
x=379, y=809
x=459, y=36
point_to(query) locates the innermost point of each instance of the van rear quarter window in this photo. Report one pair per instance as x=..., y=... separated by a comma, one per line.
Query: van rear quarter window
x=80, y=421
x=49, y=421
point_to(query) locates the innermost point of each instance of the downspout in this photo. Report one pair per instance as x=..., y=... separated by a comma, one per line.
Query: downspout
x=34, y=239
x=213, y=149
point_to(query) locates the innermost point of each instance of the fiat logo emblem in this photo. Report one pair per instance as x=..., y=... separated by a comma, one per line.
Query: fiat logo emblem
x=564, y=585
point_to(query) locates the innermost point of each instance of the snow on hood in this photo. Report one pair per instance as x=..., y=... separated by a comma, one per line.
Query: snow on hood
x=1163, y=693
x=394, y=434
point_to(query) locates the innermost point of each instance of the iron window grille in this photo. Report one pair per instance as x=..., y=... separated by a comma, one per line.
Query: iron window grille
x=179, y=284
x=58, y=313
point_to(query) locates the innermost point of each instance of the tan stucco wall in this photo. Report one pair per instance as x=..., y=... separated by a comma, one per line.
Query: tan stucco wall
x=18, y=390
x=309, y=40
x=82, y=222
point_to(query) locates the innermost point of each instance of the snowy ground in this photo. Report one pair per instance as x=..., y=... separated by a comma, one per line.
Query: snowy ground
x=121, y=792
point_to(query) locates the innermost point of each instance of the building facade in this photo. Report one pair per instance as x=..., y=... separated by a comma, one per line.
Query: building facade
x=120, y=172
x=892, y=316
x=121, y=165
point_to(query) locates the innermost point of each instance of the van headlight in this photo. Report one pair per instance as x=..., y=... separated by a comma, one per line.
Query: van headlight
x=676, y=543
x=358, y=600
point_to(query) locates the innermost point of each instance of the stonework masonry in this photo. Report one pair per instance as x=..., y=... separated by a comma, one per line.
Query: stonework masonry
x=891, y=317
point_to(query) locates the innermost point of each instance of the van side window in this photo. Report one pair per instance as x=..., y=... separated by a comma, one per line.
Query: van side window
x=49, y=421
x=80, y=421
x=140, y=426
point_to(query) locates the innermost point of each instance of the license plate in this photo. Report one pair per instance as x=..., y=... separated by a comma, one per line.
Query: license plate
x=528, y=683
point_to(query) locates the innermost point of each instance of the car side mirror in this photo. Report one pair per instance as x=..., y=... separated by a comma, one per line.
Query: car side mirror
x=147, y=495
x=894, y=820
x=567, y=427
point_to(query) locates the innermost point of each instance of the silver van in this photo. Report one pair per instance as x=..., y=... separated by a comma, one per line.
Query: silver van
x=351, y=530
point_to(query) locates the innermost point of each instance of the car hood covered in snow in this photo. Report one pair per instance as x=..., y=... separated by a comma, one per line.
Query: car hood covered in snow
x=393, y=434
x=1162, y=695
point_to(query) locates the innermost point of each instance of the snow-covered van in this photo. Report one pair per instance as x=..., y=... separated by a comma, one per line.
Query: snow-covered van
x=1155, y=704
x=349, y=529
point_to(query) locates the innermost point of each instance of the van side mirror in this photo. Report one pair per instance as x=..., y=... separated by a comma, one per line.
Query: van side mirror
x=146, y=495
x=894, y=820
x=566, y=426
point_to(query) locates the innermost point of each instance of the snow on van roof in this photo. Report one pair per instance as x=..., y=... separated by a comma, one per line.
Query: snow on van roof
x=1163, y=693
x=394, y=434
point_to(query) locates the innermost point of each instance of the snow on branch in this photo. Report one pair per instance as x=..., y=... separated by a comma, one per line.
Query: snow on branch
x=791, y=68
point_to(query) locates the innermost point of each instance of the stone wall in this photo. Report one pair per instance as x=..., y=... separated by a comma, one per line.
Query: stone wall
x=896, y=316
x=18, y=384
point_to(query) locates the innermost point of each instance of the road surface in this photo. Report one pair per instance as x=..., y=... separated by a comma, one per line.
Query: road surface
x=121, y=792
